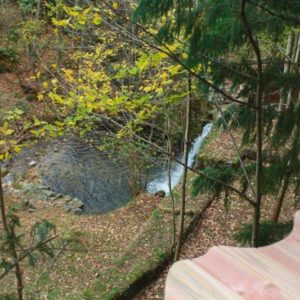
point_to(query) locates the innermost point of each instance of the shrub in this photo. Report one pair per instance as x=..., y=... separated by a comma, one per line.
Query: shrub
x=270, y=232
x=8, y=54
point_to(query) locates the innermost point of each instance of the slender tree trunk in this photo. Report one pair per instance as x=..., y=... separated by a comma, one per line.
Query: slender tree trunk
x=170, y=186
x=286, y=68
x=58, y=39
x=293, y=68
x=39, y=6
x=10, y=236
x=284, y=186
x=259, y=124
x=184, y=177
x=286, y=179
x=259, y=165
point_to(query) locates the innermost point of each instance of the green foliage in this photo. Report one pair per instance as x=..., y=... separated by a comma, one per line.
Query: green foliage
x=156, y=213
x=161, y=254
x=9, y=54
x=9, y=297
x=27, y=6
x=202, y=184
x=14, y=34
x=5, y=264
x=212, y=29
x=285, y=125
x=42, y=230
x=281, y=125
x=270, y=232
x=88, y=294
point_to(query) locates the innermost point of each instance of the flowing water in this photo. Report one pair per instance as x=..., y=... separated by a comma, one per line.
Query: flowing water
x=71, y=166
x=161, y=181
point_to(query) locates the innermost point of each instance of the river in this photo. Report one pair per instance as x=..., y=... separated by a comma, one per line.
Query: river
x=72, y=166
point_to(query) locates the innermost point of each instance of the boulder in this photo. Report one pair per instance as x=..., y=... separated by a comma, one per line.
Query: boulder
x=77, y=211
x=160, y=194
x=32, y=163
x=74, y=205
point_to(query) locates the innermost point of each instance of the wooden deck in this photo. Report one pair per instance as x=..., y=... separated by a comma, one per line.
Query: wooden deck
x=266, y=273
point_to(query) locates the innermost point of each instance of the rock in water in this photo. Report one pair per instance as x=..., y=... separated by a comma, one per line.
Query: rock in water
x=32, y=163
x=160, y=194
x=74, y=205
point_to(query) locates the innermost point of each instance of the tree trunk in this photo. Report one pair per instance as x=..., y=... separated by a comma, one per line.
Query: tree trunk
x=286, y=68
x=11, y=237
x=59, y=53
x=258, y=123
x=286, y=179
x=170, y=186
x=293, y=69
x=39, y=6
x=184, y=177
x=284, y=186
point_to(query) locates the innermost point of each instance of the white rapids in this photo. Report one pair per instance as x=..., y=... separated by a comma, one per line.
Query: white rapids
x=160, y=183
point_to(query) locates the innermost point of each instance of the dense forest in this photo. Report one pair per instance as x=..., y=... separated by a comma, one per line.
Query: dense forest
x=137, y=133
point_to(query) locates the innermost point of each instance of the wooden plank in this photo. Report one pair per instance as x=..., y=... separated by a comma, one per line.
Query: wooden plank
x=240, y=277
x=266, y=273
x=186, y=280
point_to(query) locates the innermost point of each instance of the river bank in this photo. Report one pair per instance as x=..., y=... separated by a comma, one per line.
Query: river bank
x=116, y=250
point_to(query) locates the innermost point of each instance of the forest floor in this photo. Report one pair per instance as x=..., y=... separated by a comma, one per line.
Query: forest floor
x=219, y=223
x=102, y=253
x=91, y=243
x=105, y=247
x=217, y=227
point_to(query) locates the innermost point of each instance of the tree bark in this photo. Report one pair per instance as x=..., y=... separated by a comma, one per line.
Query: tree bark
x=293, y=69
x=286, y=179
x=184, y=177
x=10, y=236
x=278, y=206
x=286, y=68
x=170, y=186
x=259, y=120
x=39, y=6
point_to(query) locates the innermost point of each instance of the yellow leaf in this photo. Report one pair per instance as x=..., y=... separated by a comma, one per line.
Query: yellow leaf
x=159, y=90
x=86, y=11
x=37, y=122
x=60, y=23
x=40, y=97
x=17, y=149
x=69, y=74
x=8, y=131
x=115, y=5
x=147, y=88
x=97, y=19
x=184, y=56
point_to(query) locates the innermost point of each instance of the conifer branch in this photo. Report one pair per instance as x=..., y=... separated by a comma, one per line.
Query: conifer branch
x=292, y=19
